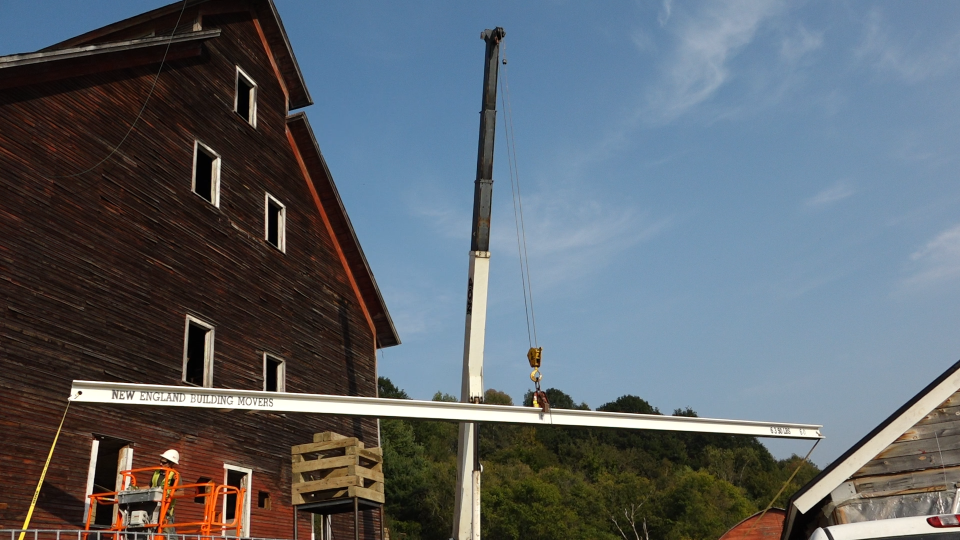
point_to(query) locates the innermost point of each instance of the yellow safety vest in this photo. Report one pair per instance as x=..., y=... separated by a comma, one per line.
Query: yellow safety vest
x=156, y=482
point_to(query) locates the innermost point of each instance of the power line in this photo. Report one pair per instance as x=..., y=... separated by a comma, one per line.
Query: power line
x=142, y=108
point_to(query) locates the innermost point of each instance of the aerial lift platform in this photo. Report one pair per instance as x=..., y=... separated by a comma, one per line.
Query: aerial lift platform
x=141, y=513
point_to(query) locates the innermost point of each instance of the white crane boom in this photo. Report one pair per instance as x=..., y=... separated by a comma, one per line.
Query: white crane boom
x=466, y=516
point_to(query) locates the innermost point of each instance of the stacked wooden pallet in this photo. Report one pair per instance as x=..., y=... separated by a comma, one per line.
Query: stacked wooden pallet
x=336, y=467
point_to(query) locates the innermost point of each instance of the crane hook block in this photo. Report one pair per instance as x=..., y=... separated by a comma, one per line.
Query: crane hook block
x=533, y=355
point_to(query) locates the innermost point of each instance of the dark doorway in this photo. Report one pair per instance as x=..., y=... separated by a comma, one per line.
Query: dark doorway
x=106, y=475
x=238, y=479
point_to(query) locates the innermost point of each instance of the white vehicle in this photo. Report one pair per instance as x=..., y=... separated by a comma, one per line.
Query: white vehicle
x=941, y=527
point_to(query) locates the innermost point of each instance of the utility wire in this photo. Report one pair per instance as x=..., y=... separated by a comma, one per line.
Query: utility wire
x=143, y=108
x=518, y=204
x=785, y=484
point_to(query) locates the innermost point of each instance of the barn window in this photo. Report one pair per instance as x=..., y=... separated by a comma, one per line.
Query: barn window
x=198, y=353
x=263, y=500
x=273, y=374
x=245, y=102
x=206, y=173
x=202, y=491
x=275, y=216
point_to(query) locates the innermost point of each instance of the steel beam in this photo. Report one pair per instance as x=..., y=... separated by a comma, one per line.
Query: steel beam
x=223, y=398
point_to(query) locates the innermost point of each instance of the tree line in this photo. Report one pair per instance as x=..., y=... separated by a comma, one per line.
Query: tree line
x=545, y=482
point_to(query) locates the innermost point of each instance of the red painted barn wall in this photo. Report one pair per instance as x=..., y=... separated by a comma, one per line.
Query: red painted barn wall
x=98, y=272
x=760, y=526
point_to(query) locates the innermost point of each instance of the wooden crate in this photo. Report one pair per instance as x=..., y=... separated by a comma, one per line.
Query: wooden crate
x=336, y=467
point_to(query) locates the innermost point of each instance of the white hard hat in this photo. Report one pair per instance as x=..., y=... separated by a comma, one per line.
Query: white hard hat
x=172, y=456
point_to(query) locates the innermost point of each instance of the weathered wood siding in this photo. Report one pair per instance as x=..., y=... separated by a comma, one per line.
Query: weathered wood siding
x=920, y=459
x=98, y=272
x=915, y=475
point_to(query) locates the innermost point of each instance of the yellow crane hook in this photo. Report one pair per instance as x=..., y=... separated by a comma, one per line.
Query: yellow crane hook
x=534, y=355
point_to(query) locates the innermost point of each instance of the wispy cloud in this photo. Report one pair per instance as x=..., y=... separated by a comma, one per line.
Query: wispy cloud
x=570, y=236
x=802, y=282
x=439, y=212
x=417, y=307
x=913, y=147
x=829, y=196
x=912, y=65
x=705, y=43
x=922, y=148
x=938, y=260
x=665, y=12
x=800, y=44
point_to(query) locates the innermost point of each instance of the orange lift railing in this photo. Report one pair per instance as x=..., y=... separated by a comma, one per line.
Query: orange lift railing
x=146, y=509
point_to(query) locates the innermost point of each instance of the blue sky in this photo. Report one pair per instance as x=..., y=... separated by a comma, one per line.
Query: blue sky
x=747, y=208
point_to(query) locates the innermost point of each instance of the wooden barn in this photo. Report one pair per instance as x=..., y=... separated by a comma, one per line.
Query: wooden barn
x=909, y=465
x=206, y=246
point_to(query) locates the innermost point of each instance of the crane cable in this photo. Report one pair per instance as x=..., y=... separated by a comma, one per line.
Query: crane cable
x=534, y=354
x=518, y=206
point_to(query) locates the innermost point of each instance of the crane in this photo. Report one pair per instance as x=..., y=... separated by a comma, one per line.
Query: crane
x=466, y=518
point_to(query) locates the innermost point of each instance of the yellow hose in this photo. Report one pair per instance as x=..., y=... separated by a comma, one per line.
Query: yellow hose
x=36, y=494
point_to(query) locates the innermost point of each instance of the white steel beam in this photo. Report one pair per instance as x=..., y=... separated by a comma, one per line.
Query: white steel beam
x=223, y=398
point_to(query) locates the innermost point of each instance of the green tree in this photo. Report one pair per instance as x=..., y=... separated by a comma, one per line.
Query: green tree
x=698, y=505
x=552, y=482
x=405, y=470
x=386, y=389
x=496, y=397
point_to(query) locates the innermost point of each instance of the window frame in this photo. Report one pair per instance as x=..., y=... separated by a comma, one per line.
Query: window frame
x=281, y=223
x=208, y=351
x=245, y=523
x=251, y=116
x=281, y=372
x=214, y=173
x=124, y=462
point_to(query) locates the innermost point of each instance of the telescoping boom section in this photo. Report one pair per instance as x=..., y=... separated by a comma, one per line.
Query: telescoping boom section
x=222, y=398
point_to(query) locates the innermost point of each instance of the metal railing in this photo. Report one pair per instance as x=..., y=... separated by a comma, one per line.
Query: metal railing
x=77, y=534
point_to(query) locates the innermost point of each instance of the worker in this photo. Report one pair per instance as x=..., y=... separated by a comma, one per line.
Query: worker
x=166, y=478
